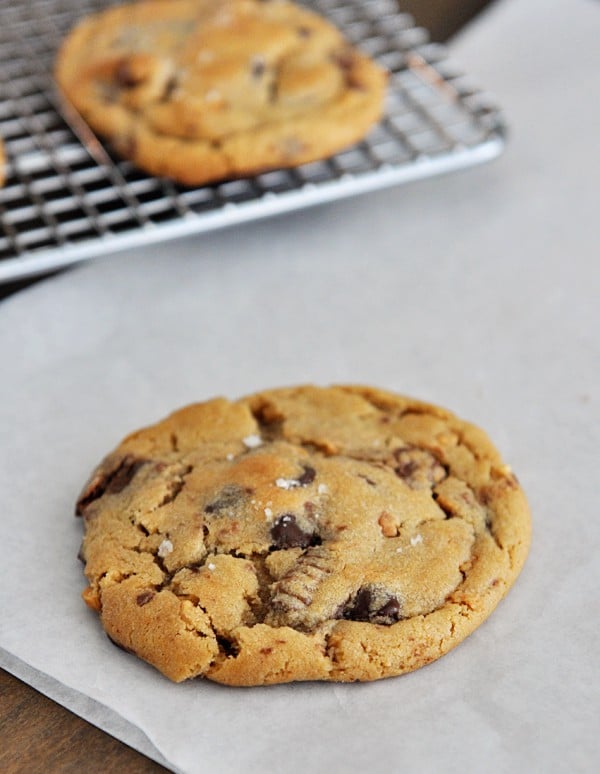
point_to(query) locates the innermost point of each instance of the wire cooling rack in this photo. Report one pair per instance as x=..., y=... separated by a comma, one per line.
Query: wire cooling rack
x=67, y=199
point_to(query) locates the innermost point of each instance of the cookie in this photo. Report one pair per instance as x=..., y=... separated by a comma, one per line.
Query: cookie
x=306, y=533
x=203, y=90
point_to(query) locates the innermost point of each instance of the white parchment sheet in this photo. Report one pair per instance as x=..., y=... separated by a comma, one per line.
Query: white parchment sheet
x=478, y=291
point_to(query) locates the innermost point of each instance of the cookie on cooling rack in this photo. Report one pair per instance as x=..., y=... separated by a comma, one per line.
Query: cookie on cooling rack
x=203, y=90
x=305, y=533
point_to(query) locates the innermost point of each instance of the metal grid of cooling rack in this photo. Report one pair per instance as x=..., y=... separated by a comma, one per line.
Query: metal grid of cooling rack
x=63, y=201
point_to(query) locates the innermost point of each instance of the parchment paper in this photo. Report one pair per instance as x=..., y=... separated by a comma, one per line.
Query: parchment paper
x=478, y=291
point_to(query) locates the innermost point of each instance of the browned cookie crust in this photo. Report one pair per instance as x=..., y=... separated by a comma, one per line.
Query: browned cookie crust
x=307, y=533
x=201, y=90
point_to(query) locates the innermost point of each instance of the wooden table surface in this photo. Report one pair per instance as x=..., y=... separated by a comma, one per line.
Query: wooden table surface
x=39, y=735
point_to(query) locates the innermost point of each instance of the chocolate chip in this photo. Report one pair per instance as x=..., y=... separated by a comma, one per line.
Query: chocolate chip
x=110, y=481
x=266, y=414
x=174, y=489
x=391, y=609
x=125, y=76
x=229, y=497
x=372, y=606
x=227, y=646
x=144, y=597
x=360, y=609
x=124, y=475
x=308, y=476
x=406, y=469
x=304, y=32
x=353, y=83
x=286, y=533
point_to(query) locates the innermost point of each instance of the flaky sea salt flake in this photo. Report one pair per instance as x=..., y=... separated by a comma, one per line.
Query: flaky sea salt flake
x=165, y=548
x=287, y=483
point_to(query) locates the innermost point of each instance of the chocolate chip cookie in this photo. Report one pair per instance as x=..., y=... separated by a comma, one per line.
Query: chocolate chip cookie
x=307, y=533
x=203, y=90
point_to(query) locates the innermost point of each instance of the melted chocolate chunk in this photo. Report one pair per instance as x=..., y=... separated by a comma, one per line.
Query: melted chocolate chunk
x=406, y=469
x=286, y=533
x=390, y=610
x=308, y=476
x=144, y=597
x=109, y=482
x=267, y=416
x=367, y=606
x=124, y=475
x=229, y=497
x=229, y=648
x=360, y=608
x=125, y=77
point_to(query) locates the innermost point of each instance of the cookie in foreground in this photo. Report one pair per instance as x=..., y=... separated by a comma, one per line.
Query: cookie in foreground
x=204, y=90
x=307, y=533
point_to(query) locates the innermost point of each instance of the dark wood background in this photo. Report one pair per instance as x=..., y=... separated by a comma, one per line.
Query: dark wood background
x=37, y=735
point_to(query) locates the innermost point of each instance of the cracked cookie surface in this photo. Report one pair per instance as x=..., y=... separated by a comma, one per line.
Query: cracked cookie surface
x=306, y=533
x=203, y=90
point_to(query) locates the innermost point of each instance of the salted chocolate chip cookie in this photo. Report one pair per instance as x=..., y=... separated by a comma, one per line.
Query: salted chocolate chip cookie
x=202, y=90
x=307, y=533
